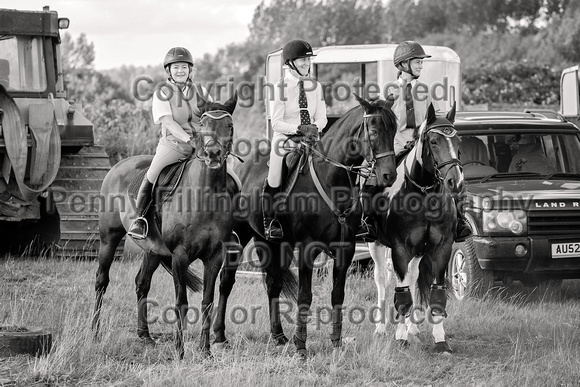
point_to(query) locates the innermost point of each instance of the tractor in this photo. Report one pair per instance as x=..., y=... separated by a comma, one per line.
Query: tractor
x=51, y=168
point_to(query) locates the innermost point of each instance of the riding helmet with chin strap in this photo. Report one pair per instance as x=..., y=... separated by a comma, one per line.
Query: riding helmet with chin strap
x=294, y=49
x=177, y=54
x=407, y=51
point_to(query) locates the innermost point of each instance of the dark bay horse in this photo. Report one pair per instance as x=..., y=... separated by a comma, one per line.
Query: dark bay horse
x=329, y=223
x=188, y=230
x=419, y=227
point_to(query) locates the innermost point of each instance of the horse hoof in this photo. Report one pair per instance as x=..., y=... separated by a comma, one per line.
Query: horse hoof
x=403, y=344
x=336, y=354
x=222, y=344
x=381, y=331
x=301, y=354
x=280, y=339
x=206, y=354
x=442, y=347
x=220, y=339
x=147, y=340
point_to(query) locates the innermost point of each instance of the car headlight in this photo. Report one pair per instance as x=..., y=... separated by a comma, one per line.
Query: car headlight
x=502, y=221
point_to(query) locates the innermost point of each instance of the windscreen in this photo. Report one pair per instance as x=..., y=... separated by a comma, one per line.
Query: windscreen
x=22, y=63
x=543, y=153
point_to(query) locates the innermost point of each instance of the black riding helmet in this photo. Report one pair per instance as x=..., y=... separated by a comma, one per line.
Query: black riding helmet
x=406, y=51
x=294, y=49
x=177, y=54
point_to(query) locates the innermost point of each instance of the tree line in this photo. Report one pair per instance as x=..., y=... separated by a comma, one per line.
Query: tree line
x=512, y=52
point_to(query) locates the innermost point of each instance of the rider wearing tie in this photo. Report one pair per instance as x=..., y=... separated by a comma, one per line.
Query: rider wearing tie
x=298, y=109
x=411, y=101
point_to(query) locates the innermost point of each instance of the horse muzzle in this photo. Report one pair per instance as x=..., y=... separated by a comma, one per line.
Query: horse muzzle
x=215, y=156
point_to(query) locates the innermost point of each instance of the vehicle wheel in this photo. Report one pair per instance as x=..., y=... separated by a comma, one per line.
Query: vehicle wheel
x=24, y=341
x=466, y=276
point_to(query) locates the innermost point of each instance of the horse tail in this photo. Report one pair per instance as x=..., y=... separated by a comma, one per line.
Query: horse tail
x=194, y=283
x=425, y=279
x=289, y=285
x=285, y=277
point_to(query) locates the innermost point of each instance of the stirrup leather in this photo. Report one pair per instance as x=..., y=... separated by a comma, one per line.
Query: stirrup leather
x=145, y=233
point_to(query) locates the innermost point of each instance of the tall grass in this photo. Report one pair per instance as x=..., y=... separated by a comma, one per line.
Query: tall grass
x=502, y=340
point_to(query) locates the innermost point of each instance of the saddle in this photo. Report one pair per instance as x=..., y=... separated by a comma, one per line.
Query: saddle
x=293, y=165
x=169, y=179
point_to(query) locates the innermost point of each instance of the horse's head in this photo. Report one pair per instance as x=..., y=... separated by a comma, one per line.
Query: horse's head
x=217, y=130
x=378, y=136
x=440, y=150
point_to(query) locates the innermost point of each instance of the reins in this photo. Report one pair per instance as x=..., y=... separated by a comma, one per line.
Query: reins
x=358, y=170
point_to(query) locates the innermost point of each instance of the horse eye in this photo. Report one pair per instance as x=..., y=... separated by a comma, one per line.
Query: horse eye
x=433, y=142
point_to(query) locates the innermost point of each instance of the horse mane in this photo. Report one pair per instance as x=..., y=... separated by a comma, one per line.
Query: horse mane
x=379, y=106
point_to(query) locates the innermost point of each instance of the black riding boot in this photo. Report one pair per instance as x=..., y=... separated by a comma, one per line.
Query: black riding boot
x=139, y=227
x=463, y=230
x=368, y=227
x=272, y=227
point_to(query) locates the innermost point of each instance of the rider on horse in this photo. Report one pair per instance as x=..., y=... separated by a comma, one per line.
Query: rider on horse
x=175, y=107
x=411, y=111
x=298, y=110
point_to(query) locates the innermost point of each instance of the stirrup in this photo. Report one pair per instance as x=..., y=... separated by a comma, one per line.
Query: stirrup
x=363, y=228
x=136, y=235
x=234, y=246
x=367, y=230
x=274, y=224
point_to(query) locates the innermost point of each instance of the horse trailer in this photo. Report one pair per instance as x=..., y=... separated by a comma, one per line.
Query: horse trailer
x=368, y=70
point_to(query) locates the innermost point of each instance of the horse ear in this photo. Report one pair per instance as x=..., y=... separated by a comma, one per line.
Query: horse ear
x=230, y=104
x=202, y=104
x=390, y=101
x=431, y=116
x=364, y=103
x=451, y=114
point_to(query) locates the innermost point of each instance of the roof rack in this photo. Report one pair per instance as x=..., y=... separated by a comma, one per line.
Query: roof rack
x=547, y=113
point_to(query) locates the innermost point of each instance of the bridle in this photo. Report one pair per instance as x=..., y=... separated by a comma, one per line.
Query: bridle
x=215, y=115
x=448, y=132
x=363, y=171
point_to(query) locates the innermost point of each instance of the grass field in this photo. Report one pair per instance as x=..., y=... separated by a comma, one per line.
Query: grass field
x=509, y=339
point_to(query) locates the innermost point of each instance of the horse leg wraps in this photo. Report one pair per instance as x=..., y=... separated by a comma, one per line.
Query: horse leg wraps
x=336, y=335
x=403, y=301
x=300, y=337
x=438, y=300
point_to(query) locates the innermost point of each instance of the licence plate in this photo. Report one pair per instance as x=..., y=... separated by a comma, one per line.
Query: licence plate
x=566, y=250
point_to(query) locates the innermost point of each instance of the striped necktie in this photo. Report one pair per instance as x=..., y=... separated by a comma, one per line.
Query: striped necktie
x=303, y=104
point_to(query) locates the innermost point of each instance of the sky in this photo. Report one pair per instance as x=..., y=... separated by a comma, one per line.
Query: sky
x=140, y=32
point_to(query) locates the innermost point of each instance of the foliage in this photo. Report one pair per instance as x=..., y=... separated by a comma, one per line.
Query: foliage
x=512, y=51
x=511, y=82
x=121, y=124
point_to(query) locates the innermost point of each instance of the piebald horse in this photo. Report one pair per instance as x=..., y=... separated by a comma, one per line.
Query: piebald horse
x=419, y=227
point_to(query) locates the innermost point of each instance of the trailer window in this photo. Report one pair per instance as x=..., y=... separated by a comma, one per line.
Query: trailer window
x=341, y=80
x=22, y=64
